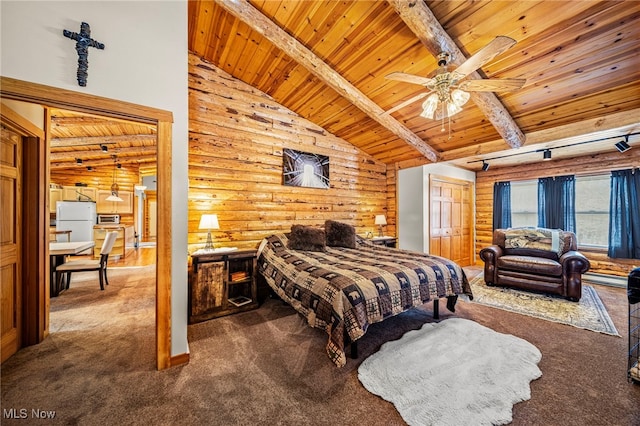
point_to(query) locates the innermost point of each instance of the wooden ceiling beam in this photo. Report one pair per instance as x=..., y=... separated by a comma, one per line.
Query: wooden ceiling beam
x=243, y=11
x=140, y=159
x=101, y=140
x=419, y=18
x=130, y=152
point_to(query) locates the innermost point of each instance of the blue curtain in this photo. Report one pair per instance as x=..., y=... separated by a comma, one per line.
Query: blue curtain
x=557, y=203
x=501, y=205
x=624, y=214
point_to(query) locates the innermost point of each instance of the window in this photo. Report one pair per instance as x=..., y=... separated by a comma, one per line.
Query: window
x=592, y=210
x=524, y=203
x=592, y=207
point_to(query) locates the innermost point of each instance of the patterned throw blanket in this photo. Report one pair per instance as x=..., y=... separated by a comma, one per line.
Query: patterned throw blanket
x=535, y=238
x=344, y=290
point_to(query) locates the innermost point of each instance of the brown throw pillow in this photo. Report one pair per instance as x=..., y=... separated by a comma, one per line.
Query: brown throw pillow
x=307, y=238
x=340, y=234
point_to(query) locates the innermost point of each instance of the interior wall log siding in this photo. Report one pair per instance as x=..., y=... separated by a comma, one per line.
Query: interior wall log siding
x=236, y=138
x=591, y=164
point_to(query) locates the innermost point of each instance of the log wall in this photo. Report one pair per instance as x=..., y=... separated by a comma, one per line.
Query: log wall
x=236, y=138
x=592, y=164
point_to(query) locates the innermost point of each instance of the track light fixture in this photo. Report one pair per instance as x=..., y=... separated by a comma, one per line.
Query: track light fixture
x=119, y=166
x=623, y=146
x=89, y=168
x=78, y=160
x=104, y=148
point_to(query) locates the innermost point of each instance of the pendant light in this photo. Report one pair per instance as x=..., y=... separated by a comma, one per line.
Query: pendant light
x=114, y=186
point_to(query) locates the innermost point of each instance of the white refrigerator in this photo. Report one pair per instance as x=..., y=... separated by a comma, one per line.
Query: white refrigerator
x=79, y=217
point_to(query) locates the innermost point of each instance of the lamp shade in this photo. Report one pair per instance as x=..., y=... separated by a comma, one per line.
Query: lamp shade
x=380, y=219
x=113, y=197
x=459, y=97
x=429, y=106
x=209, y=221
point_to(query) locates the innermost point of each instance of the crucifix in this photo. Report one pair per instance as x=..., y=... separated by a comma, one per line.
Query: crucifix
x=83, y=42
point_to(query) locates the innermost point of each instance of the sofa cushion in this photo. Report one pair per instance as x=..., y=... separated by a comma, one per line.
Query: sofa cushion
x=529, y=264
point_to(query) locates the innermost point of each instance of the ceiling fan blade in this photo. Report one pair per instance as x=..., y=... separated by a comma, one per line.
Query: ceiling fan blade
x=484, y=55
x=407, y=102
x=409, y=78
x=495, y=85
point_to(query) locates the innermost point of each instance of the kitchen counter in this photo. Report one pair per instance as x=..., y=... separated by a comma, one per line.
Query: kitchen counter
x=124, y=241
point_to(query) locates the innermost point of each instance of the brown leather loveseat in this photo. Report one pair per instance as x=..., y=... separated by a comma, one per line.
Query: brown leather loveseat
x=538, y=259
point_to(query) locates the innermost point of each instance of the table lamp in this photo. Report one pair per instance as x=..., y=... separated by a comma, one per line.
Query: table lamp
x=209, y=222
x=380, y=220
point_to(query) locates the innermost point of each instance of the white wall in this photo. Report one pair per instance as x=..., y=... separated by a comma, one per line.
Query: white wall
x=413, y=202
x=144, y=62
x=412, y=222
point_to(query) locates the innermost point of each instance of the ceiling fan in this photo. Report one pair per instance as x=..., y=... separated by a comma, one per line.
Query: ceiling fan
x=446, y=89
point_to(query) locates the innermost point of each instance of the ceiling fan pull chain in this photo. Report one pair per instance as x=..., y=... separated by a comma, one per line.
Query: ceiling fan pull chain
x=443, y=113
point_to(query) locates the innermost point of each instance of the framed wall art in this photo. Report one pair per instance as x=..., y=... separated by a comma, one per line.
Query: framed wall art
x=305, y=169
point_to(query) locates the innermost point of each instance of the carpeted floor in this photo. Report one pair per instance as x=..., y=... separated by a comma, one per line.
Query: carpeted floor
x=268, y=367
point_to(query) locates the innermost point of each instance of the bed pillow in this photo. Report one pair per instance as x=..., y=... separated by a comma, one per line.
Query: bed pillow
x=340, y=234
x=307, y=238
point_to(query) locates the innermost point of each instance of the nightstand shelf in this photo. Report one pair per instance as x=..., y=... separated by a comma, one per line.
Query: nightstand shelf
x=385, y=241
x=221, y=283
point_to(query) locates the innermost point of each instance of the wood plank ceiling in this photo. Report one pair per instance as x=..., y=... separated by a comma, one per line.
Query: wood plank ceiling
x=580, y=60
x=95, y=140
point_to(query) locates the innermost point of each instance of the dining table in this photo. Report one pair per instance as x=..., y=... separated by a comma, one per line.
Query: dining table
x=58, y=252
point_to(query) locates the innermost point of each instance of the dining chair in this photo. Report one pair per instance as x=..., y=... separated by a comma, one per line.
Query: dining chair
x=99, y=265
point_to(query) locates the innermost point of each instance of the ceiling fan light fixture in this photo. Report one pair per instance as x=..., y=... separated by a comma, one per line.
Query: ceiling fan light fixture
x=429, y=106
x=452, y=109
x=459, y=97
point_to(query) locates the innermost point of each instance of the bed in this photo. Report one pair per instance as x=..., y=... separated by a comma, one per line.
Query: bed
x=342, y=288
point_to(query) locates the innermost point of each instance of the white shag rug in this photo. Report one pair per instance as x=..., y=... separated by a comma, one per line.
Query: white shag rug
x=455, y=372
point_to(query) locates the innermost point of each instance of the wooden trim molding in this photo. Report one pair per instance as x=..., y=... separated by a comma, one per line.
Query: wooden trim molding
x=60, y=98
x=179, y=359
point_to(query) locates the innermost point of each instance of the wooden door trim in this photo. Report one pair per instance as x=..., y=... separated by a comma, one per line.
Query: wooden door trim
x=48, y=96
x=461, y=182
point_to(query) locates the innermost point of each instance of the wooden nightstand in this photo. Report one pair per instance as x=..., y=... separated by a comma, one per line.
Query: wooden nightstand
x=385, y=241
x=222, y=283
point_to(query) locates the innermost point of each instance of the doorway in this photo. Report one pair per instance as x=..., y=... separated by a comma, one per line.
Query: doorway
x=38, y=238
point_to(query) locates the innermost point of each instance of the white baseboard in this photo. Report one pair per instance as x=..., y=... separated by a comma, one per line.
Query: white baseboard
x=602, y=279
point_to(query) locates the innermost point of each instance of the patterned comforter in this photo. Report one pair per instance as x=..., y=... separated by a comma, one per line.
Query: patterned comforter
x=344, y=290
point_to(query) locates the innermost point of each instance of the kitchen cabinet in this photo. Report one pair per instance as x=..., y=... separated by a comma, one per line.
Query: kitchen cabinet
x=124, y=241
x=120, y=207
x=55, y=195
x=78, y=193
